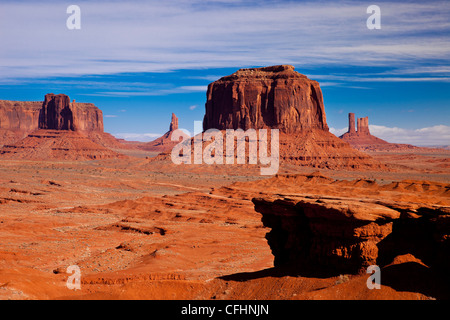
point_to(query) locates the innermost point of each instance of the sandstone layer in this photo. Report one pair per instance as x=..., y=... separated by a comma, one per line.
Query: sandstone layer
x=346, y=234
x=57, y=145
x=37, y=130
x=58, y=113
x=141, y=231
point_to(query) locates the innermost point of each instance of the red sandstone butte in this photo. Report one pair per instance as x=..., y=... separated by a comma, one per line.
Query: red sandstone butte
x=19, y=118
x=361, y=139
x=274, y=97
x=278, y=97
x=58, y=113
x=58, y=129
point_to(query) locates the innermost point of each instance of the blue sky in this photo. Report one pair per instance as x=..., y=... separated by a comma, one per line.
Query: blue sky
x=139, y=61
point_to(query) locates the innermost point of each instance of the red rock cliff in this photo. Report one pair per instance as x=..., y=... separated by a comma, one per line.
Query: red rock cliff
x=19, y=118
x=271, y=97
x=19, y=115
x=55, y=112
x=58, y=113
x=363, y=126
x=278, y=97
x=173, y=123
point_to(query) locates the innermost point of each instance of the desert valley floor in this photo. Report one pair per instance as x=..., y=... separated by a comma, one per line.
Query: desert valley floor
x=140, y=228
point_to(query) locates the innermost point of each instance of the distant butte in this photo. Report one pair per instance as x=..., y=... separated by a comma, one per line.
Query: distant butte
x=363, y=140
x=54, y=129
x=56, y=112
x=163, y=143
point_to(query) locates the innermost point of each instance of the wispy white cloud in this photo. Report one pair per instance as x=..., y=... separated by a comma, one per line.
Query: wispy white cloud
x=193, y=107
x=141, y=92
x=159, y=36
x=435, y=135
x=110, y=116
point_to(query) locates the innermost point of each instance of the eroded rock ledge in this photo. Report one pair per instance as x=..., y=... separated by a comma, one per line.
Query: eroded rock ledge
x=344, y=235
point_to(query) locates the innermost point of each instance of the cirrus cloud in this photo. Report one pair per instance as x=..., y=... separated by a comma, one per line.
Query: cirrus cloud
x=159, y=36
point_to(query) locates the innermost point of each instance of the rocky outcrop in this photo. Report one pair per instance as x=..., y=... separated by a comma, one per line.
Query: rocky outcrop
x=58, y=113
x=346, y=235
x=280, y=98
x=361, y=139
x=173, y=123
x=55, y=129
x=363, y=126
x=351, y=123
x=44, y=144
x=163, y=143
x=272, y=97
x=19, y=115
x=19, y=118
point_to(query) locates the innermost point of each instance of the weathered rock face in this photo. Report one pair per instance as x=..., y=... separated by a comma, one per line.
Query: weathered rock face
x=272, y=97
x=343, y=235
x=58, y=113
x=87, y=117
x=54, y=129
x=363, y=126
x=17, y=119
x=19, y=115
x=280, y=98
x=173, y=123
x=351, y=123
